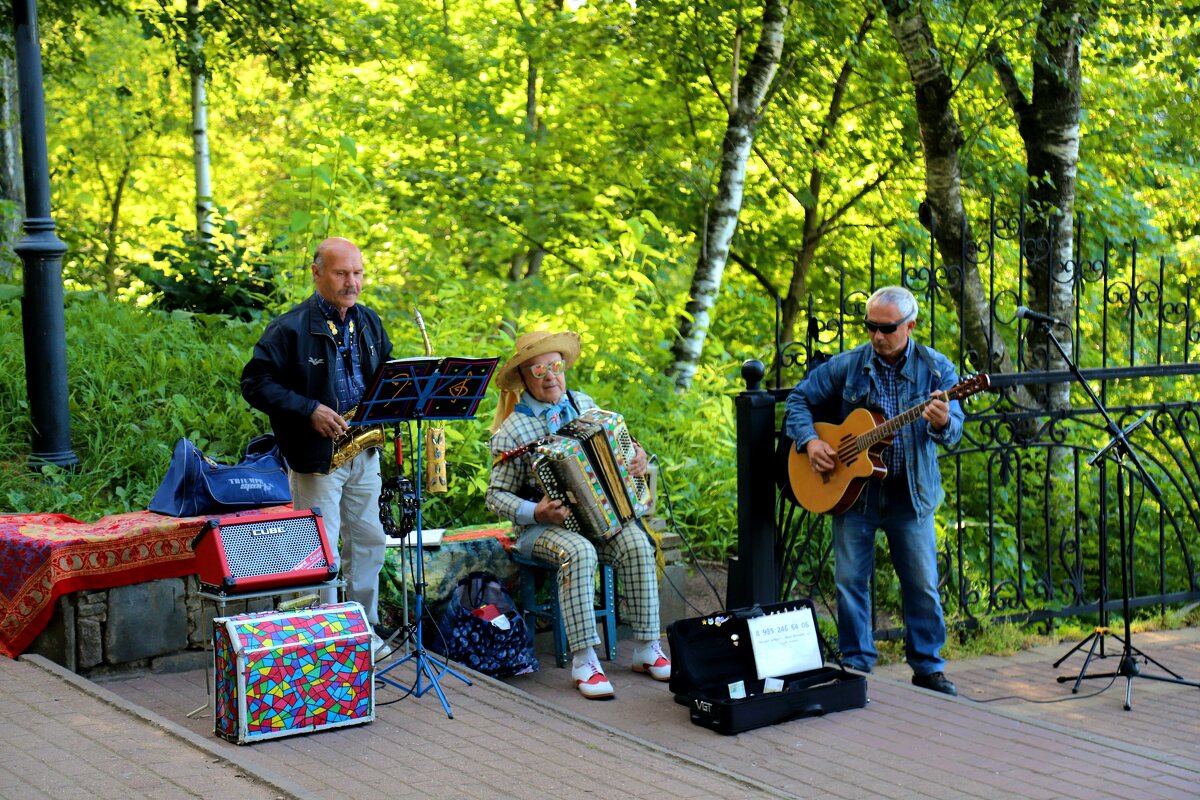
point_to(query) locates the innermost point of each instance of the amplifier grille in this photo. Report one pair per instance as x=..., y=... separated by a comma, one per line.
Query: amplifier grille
x=272, y=547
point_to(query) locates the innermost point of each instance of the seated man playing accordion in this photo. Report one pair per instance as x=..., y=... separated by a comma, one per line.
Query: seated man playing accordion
x=534, y=403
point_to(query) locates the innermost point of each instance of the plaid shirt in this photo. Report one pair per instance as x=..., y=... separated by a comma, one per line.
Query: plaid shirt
x=893, y=454
x=347, y=372
x=513, y=482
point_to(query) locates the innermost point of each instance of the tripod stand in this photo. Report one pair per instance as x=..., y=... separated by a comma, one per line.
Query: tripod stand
x=1119, y=450
x=421, y=659
x=418, y=389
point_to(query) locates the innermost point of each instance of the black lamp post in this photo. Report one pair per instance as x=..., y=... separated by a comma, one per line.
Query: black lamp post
x=41, y=253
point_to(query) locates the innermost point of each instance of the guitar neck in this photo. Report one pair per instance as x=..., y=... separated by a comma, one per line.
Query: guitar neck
x=883, y=431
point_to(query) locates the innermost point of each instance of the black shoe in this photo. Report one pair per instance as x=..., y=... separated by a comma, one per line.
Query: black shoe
x=935, y=681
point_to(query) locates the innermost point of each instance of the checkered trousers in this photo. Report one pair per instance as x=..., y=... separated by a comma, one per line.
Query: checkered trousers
x=631, y=552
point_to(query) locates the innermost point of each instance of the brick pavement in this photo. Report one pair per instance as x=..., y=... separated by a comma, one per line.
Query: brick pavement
x=64, y=738
x=534, y=736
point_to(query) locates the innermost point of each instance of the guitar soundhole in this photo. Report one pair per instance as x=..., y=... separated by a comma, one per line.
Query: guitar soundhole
x=848, y=452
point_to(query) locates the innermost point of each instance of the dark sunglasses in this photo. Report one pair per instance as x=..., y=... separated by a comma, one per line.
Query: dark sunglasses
x=883, y=327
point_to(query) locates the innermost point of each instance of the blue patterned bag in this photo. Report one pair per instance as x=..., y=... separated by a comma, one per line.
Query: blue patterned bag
x=482, y=629
x=195, y=485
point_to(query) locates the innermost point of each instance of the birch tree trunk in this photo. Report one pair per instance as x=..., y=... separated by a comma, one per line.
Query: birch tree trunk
x=744, y=116
x=12, y=182
x=1049, y=126
x=946, y=215
x=200, y=157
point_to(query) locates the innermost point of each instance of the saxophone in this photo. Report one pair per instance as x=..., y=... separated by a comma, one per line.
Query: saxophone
x=354, y=440
x=435, y=436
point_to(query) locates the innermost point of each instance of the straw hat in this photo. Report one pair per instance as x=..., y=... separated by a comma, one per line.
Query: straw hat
x=530, y=345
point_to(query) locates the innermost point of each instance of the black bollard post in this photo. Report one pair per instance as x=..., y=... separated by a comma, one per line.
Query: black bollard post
x=41, y=253
x=753, y=574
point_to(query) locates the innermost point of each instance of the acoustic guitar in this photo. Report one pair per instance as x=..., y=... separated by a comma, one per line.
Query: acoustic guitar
x=858, y=444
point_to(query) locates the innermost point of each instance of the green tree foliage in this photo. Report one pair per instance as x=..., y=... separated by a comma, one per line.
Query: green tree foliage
x=216, y=274
x=117, y=131
x=507, y=166
x=138, y=381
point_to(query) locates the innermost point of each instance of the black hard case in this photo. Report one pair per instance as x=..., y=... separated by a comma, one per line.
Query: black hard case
x=709, y=653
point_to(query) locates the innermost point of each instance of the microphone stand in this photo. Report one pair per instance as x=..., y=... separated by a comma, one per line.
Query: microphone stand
x=1121, y=450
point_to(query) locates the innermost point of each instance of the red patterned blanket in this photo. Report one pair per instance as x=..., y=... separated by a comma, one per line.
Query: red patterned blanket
x=44, y=556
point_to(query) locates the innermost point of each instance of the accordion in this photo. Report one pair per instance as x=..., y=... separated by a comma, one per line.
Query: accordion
x=586, y=466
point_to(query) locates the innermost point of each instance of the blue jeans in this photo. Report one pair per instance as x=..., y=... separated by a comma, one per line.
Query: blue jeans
x=912, y=542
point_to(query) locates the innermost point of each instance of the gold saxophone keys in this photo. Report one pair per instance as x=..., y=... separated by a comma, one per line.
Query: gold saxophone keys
x=354, y=440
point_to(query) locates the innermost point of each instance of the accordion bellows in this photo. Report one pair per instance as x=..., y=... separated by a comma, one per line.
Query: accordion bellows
x=586, y=465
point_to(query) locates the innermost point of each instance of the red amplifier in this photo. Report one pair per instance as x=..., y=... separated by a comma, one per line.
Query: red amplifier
x=253, y=551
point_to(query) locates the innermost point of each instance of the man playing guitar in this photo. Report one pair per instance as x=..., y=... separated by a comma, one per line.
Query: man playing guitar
x=889, y=373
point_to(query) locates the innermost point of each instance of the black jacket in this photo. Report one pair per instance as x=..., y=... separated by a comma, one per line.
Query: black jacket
x=292, y=371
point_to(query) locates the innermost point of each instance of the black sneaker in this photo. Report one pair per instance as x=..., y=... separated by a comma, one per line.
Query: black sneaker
x=935, y=681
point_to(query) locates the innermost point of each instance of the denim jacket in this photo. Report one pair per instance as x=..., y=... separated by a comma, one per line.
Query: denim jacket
x=851, y=375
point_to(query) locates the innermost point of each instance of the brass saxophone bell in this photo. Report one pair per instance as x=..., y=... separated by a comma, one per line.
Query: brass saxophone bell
x=354, y=441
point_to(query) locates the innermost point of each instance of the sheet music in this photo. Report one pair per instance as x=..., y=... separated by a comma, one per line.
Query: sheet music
x=430, y=537
x=785, y=643
x=425, y=387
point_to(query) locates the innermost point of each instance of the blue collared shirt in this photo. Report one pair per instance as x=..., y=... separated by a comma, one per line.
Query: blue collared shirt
x=347, y=371
x=889, y=398
x=850, y=379
x=513, y=481
x=555, y=414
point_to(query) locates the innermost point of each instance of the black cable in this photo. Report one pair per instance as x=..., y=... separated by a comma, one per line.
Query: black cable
x=691, y=551
x=1043, y=702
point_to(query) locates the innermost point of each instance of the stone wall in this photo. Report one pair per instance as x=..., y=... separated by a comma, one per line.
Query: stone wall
x=162, y=625
x=157, y=625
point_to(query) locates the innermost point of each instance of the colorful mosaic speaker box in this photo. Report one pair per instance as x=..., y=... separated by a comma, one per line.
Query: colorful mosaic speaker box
x=283, y=673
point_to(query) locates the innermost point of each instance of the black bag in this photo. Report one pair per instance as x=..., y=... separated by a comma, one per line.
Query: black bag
x=481, y=629
x=195, y=485
x=710, y=653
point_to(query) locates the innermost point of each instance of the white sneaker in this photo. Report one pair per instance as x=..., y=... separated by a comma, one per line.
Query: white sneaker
x=382, y=649
x=590, y=680
x=649, y=657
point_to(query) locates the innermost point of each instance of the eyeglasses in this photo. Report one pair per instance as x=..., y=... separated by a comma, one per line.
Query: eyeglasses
x=539, y=370
x=883, y=327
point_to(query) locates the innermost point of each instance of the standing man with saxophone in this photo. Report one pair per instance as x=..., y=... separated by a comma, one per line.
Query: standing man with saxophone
x=308, y=370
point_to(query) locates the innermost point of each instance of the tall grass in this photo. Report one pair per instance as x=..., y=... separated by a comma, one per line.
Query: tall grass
x=140, y=379
x=137, y=381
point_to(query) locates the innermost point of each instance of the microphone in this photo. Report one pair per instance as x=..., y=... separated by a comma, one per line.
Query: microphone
x=1037, y=316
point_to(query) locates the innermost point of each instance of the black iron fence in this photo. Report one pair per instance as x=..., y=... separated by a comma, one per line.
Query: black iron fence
x=1034, y=526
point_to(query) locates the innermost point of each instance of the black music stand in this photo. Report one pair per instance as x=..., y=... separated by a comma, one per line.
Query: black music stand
x=413, y=390
x=1119, y=450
